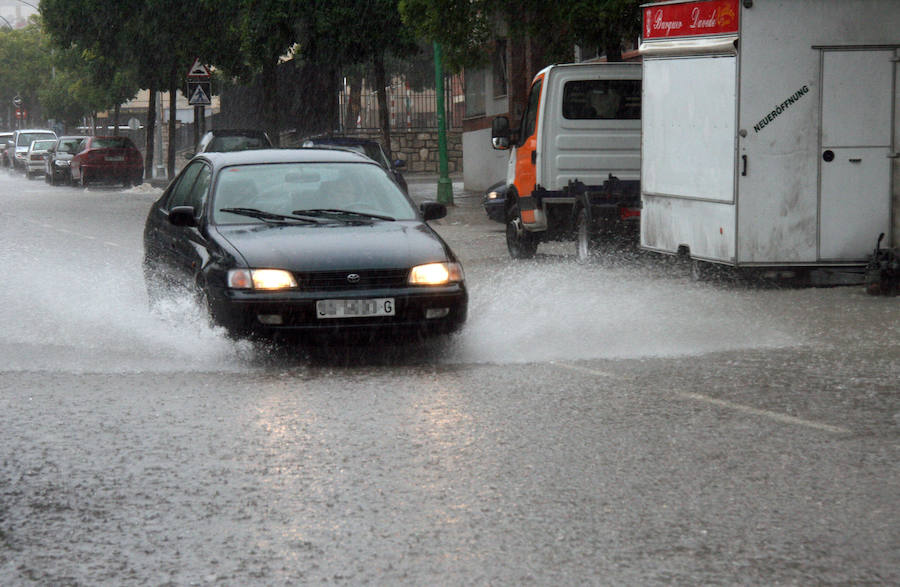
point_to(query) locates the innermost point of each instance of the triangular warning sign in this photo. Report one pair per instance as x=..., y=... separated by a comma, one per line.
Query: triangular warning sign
x=199, y=97
x=198, y=69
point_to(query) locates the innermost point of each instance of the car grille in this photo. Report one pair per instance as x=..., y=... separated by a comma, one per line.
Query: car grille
x=340, y=280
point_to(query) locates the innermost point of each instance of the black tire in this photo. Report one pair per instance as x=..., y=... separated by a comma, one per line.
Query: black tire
x=585, y=246
x=521, y=244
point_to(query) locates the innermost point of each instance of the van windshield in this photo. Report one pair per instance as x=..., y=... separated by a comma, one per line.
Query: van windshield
x=25, y=139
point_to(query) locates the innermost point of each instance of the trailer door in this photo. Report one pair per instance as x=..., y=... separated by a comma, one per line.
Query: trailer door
x=855, y=191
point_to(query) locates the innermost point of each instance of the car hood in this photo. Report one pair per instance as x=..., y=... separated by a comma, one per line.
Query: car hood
x=327, y=247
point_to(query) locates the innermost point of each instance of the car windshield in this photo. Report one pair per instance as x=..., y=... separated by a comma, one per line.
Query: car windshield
x=283, y=188
x=112, y=143
x=42, y=145
x=68, y=145
x=25, y=139
x=237, y=143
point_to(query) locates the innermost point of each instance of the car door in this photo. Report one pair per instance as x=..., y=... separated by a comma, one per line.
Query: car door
x=178, y=252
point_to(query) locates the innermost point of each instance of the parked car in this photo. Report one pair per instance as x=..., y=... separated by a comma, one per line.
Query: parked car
x=494, y=201
x=35, y=157
x=371, y=149
x=5, y=144
x=302, y=241
x=22, y=140
x=56, y=164
x=107, y=159
x=225, y=140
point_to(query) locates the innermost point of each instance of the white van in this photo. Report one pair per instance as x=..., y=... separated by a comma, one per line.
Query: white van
x=574, y=163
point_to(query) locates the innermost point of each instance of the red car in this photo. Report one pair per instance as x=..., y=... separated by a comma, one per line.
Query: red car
x=107, y=159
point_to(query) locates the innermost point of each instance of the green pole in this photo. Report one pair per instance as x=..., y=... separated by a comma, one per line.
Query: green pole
x=444, y=187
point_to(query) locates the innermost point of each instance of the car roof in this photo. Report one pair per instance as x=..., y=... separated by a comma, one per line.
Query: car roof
x=25, y=130
x=236, y=132
x=341, y=141
x=307, y=155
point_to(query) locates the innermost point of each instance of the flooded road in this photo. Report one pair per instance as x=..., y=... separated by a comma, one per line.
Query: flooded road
x=614, y=423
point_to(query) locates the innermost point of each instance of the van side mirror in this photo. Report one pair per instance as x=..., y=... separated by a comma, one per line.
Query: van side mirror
x=500, y=132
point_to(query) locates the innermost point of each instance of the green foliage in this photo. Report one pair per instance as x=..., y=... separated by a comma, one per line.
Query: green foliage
x=26, y=65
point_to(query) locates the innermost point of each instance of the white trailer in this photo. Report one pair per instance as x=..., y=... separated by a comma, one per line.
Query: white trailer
x=770, y=130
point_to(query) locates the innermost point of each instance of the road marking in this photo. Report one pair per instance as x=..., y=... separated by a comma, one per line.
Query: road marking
x=779, y=417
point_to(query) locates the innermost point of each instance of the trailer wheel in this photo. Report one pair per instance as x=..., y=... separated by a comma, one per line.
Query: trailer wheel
x=585, y=247
x=520, y=243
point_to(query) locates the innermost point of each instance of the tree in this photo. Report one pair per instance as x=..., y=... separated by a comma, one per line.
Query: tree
x=26, y=65
x=357, y=32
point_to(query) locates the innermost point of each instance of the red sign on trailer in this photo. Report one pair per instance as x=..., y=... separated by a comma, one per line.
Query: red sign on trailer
x=691, y=19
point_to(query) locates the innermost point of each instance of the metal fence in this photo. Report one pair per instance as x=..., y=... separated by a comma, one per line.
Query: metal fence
x=409, y=109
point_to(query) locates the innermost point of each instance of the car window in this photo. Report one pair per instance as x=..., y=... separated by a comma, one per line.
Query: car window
x=236, y=143
x=197, y=196
x=69, y=146
x=282, y=188
x=43, y=145
x=113, y=143
x=181, y=191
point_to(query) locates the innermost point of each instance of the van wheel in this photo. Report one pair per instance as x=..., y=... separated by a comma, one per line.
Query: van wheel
x=702, y=271
x=520, y=243
x=585, y=247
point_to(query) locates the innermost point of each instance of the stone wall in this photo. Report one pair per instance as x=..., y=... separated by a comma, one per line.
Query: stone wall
x=418, y=148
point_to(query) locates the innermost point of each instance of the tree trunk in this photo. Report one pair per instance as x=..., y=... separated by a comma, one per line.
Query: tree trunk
x=354, y=102
x=116, y=112
x=150, y=128
x=173, y=115
x=383, y=112
x=270, y=102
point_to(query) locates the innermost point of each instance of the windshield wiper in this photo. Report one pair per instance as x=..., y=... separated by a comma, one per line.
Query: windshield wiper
x=332, y=212
x=265, y=216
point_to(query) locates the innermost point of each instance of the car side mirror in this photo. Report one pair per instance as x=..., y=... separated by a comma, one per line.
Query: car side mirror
x=182, y=216
x=399, y=163
x=432, y=210
x=500, y=133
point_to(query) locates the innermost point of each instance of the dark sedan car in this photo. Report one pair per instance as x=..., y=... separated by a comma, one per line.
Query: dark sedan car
x=223, y=140
x=56, y=165
x=302, y=241
x=371, y=149
x=494, y=201
x=107, y=159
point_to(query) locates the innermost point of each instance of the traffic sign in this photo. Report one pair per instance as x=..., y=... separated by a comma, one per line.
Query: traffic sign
x=198, y=70
x=199, y=93
x=17, y=101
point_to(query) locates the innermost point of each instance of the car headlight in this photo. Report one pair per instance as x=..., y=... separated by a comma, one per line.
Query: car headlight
x=61, y=162
x=267, y=279
x=493, y=195
x=436, y=274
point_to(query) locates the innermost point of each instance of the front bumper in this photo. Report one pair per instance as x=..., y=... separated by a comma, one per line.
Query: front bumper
x=251, y=313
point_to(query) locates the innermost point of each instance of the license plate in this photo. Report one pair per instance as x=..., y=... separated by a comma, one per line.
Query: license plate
x=119, y=158
x=355, y=308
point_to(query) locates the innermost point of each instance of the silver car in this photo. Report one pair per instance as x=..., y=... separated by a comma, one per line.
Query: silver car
x=22, y=140
x=36, y=155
